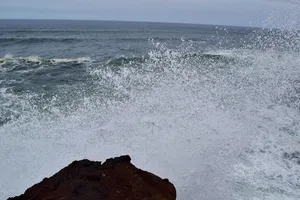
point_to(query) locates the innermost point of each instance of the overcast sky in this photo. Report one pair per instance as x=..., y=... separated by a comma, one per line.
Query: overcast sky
x=223, y=12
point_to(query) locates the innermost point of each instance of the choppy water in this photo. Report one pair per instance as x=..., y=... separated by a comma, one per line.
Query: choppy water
x=215, y=109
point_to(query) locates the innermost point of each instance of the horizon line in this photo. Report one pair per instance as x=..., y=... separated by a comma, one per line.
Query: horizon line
x=130, y=21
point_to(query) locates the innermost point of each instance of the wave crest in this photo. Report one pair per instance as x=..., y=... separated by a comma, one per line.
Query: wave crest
x=36, y=59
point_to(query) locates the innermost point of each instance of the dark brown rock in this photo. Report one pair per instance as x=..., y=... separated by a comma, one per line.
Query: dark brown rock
x=115, y=179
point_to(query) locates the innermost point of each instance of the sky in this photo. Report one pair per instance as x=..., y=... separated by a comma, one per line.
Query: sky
x=221, y=12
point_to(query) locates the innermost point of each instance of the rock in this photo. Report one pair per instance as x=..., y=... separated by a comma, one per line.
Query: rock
x=115, y=179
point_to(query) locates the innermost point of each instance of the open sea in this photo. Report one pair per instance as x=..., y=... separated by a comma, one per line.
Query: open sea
x=215, y=109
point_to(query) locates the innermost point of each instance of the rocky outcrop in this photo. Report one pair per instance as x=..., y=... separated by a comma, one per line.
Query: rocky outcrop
x=115, y=179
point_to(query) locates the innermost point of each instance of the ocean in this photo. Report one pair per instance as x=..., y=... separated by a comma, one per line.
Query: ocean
x=215, y=109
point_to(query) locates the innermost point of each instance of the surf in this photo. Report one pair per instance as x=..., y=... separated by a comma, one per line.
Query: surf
x=219, y=123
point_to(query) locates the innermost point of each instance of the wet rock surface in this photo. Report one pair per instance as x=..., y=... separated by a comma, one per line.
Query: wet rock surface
x=115, y=179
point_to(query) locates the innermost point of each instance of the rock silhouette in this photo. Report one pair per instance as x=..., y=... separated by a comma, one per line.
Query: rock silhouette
x=115, y=179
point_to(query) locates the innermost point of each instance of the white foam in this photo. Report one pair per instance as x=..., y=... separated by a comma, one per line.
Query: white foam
x=193, y=127
x=67, y=60
x=37, y=59
x=34, y=59
x=217, y=133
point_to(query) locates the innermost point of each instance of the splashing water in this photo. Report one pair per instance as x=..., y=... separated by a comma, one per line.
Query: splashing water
x=225, y=127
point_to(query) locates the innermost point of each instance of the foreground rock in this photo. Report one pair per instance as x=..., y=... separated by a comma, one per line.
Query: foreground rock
x=115, y=179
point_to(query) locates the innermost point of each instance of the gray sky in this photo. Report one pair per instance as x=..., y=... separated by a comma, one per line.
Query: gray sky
x=224, y=12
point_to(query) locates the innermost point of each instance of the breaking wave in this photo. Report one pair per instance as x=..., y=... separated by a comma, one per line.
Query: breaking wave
x=36, y=59
x=221, y=124
x=236, y=124
x=204, y=58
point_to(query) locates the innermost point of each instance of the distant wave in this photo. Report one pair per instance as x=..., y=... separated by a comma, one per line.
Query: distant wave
x=141, y=39
x=125, y=60
x=202, y=57
x=65, y=31
x=36, y=40
x=37, y=59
